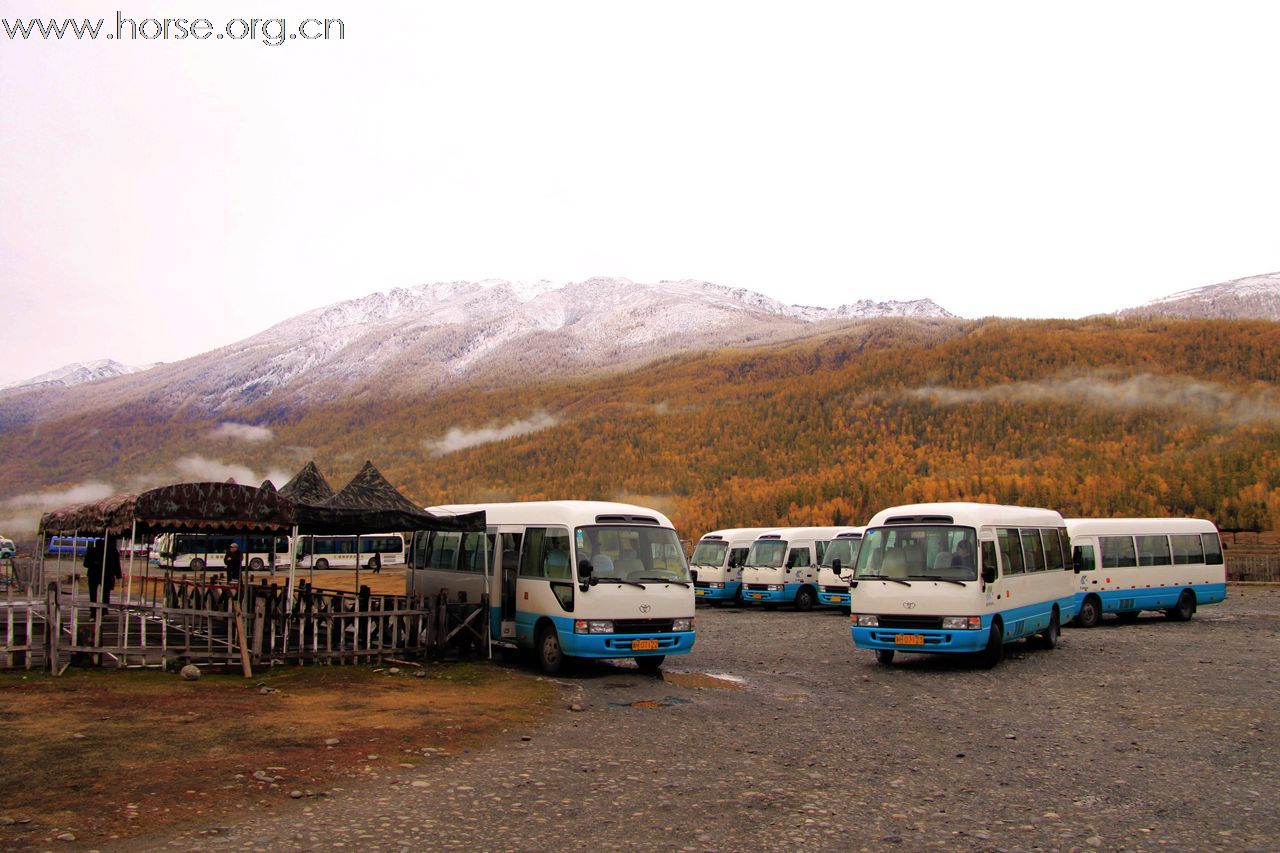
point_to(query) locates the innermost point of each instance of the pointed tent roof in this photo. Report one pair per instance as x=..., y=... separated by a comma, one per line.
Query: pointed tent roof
x=368, y=489
x=267, y=485
x=308, y=486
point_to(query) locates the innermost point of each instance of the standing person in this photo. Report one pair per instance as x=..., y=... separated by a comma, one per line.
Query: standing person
x=93, y=566
x=111, y=571
x=232, y=560
x=375, y=563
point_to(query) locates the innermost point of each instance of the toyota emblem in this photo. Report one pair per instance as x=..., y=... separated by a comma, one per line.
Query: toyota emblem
x=644, y=608
x=910, y=605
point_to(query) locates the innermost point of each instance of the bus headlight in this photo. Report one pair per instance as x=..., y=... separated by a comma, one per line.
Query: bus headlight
x=593, y=626
x=775, y=587
x=961, y=623
x=866, y=620
x=682, y=624
x=715, y=585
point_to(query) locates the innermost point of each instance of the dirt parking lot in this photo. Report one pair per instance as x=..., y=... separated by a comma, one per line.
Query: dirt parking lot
x=776, y=733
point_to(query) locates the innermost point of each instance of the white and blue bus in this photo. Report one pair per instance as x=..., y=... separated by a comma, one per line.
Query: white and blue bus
x=69, y=546
x=1128, y=565
x=836, y=567
x=782, y=566
x=567, y=579
x=717, y=563
x=961, y=577
x=200, y=551
x=322, y=552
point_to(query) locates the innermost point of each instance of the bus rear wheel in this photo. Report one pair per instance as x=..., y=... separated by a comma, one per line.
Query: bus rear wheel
x=991, y=656
x=1184, y=609
x=651, y=664
x=1090, y=613
x=805, y=599
x=1049, y=636
x=550, y=655
x=884, y=657
x=256, y=564
x=197, y=565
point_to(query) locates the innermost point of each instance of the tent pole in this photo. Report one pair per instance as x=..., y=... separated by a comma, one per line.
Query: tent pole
x=128, y=588
x=293, y=567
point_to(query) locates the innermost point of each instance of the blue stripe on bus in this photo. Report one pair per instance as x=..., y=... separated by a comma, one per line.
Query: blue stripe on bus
x=1155, y=598
x=786, y=595
x=1018, y=622
x=727, y=593
x=602, y=645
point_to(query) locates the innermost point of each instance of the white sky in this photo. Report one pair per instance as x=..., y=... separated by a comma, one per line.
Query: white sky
x=158, y=199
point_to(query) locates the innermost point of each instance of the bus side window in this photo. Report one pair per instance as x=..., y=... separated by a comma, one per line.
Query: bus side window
x=1212, y=549
x=1082, y=556
x=1010, y=550
x=798, y=558
x=1187, y=549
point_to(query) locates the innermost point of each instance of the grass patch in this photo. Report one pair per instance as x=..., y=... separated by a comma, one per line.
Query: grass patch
x=108, y=754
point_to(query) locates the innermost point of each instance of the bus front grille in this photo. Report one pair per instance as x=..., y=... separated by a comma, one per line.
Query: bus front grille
x=642, y=626
x=921, y=622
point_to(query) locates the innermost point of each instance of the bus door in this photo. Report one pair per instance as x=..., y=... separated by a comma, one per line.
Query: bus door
x=508, y=564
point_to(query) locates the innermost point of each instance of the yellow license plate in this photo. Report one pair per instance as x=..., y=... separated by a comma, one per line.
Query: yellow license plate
x=700, y=591
x=755, y=595
x=644, y=645
x=909, y=640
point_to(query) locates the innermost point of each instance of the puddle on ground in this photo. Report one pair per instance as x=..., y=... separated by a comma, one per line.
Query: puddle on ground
x=666, y=702
x=703, y=680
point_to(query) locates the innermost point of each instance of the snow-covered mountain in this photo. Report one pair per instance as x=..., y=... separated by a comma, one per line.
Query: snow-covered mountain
x=1256, y=297
x=79, y=373
x=434, y=336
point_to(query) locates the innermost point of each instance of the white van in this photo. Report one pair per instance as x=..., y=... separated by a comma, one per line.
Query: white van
x=717, y=563
x=837, y=567
x=782, y=566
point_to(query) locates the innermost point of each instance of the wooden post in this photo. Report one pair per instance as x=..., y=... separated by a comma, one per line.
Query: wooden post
x=245, y=664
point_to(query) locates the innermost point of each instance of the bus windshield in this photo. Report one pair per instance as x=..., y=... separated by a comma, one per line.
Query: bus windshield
x=919, y=551
x=844, y=550
x=638, y=553
x=767, y=553
x=709, y=553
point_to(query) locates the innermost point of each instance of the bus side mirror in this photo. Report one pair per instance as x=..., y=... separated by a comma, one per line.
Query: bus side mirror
x=836, y=565
x=988, y=574
x=584, y=574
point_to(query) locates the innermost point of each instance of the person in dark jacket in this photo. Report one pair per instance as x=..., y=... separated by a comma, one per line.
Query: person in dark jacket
x=232, y=560
x=103, y=564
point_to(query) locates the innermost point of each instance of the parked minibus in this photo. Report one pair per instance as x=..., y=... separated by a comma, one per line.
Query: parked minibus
x=717, y=563
x=341, y=552
x=837, y=566
x=567, y=579
x=782, y=566
x=961, y=577
x=1128, y=565
x=69, y=546
x=200, y=551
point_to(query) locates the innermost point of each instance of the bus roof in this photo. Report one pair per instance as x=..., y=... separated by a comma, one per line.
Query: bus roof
x=737, y=533
x=966, y=515
x=567, y=513
x=788, y=533
x=1137, y=526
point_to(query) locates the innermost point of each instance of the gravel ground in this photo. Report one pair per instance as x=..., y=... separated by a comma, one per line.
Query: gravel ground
x=1154, y=735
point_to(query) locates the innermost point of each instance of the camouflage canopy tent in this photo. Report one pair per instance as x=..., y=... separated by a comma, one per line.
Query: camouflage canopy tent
x=202, y=507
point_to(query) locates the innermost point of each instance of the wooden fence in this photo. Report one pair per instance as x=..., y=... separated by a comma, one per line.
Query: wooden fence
x=170, y=621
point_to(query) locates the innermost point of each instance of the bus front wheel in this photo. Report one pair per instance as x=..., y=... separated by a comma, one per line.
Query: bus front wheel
x=550, y=655
x=805, y=599
x=884, y=657
x=1090, y=613
x=1185, y=608
x=322, y=564
x=197, y=565
x=256, y=564
x=650, y=665
x=994, y=652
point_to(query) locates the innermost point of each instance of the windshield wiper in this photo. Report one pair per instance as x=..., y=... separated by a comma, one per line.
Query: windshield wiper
x=667, y=580
x=881, y=578
x=621, y=580
x=944, y=580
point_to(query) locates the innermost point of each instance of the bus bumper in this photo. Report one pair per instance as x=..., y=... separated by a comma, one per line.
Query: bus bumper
x=623, y=645
x=931, y=640
x=771, y=596
x=834, y=599
x=725, y=593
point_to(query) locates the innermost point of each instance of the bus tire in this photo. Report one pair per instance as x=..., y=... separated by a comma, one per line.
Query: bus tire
x=1049, y=636
x=805, y=599
x=991, y=656
x=1090, y=612
x=322, y=564
x=548, y=651
x=884, y=657
x=197, y=565
x=651, y=664
x=256, y=564
x=1184, y=609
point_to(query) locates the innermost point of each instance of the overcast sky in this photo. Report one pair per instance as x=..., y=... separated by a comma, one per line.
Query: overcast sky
x=160, y=198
